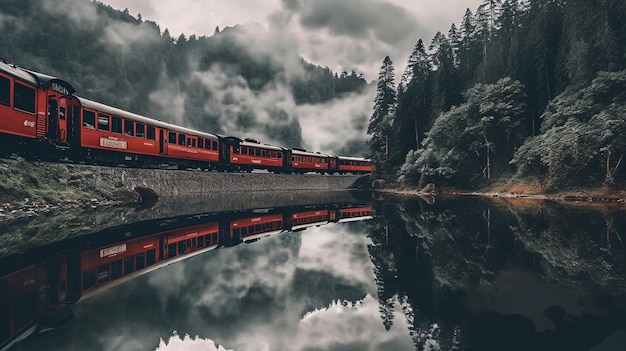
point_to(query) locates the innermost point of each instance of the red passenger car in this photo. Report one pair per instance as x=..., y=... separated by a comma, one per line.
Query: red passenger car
x=107, y=266
x=354, y=165
x=113, y=135
x=249, y=155
x=252, y=228
x=304, y=219
x=351, y=214
x=302, y=162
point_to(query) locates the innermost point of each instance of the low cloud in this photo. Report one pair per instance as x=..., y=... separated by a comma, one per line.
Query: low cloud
x=355, y=18
x=127, y=35
x=83, y=13
x=338, y=127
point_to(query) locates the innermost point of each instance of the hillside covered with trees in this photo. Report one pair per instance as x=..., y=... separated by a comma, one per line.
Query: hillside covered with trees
x=224, y=83
x=529, y=90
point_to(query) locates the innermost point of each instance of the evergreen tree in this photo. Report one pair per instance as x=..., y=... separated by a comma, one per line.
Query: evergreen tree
x=412, y=120
x=379, y=126
x=446, y=84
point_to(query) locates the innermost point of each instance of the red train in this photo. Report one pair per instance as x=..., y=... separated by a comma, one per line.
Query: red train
x=40, y=115
x=36, y=295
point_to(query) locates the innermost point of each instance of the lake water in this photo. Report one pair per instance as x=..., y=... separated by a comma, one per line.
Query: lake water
x=357, y=274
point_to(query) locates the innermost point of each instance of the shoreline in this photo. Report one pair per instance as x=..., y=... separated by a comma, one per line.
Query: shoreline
x=590, y=196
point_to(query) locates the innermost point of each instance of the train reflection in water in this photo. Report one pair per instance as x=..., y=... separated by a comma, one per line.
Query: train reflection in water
x=37, y=289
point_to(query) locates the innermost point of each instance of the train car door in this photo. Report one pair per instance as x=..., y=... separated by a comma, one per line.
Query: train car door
x=162, y=142
x=333, y=165
x=63, y=116
x=53, y=117
x=57, y=119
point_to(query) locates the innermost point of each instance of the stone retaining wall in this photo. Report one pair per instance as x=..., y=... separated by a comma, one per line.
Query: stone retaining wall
x=174, y=182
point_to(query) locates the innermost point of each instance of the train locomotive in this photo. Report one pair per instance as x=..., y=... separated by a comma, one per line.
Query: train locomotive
x=41, y=117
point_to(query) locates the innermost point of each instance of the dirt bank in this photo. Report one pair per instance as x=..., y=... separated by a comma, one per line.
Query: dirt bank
x=596, y=196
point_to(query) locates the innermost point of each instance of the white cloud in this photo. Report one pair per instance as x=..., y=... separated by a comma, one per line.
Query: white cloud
x=376, y=28
x=187, y=343
x=352, y=327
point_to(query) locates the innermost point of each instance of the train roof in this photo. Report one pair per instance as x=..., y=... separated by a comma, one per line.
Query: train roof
x=37, y=79
x=353, y=158
x=142, y=119
x=307, y=153
x=262, y=146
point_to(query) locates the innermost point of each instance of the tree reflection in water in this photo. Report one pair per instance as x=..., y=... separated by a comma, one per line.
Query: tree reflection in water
x=495, y=274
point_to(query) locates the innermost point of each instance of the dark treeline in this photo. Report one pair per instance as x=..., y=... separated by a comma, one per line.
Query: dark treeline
x=121, y=60
x=533, y=90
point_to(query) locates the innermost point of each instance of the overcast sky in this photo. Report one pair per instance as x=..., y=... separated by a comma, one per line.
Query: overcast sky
x=340, y=34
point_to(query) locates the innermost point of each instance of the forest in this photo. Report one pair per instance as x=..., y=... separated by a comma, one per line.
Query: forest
x=215, y=82
x=521, y=91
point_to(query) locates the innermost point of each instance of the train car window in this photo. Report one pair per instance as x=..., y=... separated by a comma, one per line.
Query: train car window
x=129, y=127
x=193, y=142
x=89, y=278
x=200, y=143
x=116, y=269
x=214, y=238
x=5, y=91
x=140, y=129
x=150, y=257
x=151, y=134
x=116, y=125
x=214, y=145
x=89, y=119
x=207, y=144
x=280, y=155
x=244, y=150
x=171, y=250
x=182, y=246
x=207, y=239
x=103, y=122
x=103, y=273
x=181, y=139
x=24, y=98
x=129, y=265
x=172, y=138
x=25, y=310
x=200, y=238
x=257, y=152
x=140, y=261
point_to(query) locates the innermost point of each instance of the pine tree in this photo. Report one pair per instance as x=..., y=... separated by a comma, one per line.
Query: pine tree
x=411, y=120
x=455, y=42
x=380, y=123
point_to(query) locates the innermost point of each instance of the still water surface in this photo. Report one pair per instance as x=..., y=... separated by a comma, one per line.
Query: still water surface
x=417, y=274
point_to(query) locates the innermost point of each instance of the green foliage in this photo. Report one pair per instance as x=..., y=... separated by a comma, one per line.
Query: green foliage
x=549, y=47
x=467, y=141
x=380, y=123
x=581, y=130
